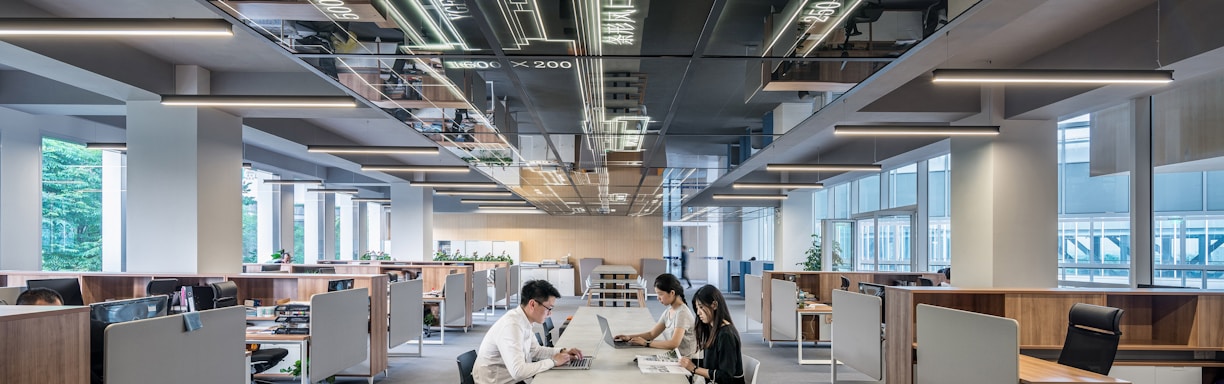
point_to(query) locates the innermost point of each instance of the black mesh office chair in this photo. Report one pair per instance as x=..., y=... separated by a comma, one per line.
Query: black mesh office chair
x=845, y=286
x=264, y=359
x=466, y=362
x=1093, y=332
x=225, y=294
x=548, y=328
x=925, y=282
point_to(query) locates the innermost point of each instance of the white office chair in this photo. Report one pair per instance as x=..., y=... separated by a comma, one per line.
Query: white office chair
x=751, y=366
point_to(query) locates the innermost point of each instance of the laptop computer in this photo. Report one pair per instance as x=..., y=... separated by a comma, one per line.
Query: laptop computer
x=603, y=325
x=586, y=360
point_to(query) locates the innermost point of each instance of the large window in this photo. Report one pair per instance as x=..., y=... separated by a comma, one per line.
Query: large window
x=939, y=216
x=72, y=207
x=250, y=217
x=1093, y=206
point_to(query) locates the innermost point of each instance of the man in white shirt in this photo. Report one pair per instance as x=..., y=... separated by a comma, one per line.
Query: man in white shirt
x=509, y=352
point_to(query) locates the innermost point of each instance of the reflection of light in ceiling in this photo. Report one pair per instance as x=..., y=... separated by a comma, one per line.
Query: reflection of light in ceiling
x=286, y=101
x=116, y=27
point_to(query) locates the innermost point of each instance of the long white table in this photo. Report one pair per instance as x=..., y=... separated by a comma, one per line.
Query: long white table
x=611, y=365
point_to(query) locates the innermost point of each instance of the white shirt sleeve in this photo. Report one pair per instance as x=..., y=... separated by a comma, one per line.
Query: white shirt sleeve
x=515, y=354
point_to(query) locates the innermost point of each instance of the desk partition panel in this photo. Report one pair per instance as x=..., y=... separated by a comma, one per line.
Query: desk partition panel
x=339, y=336
x=782, y=309
x=501, y=285
x=856, y=338
x=480, y=289
x=956, y=346
x=406, y=312
x=752, y=298
x=157, y=350
x=457, y=309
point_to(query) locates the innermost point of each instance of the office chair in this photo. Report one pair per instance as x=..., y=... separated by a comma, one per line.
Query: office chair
x=539, y=340
x=225, y=294
x=264, y=359
x=845, y=284
x=466, y=362
x=1093, y=333
x=548, y=328
x=751, y=366
x=925, y=282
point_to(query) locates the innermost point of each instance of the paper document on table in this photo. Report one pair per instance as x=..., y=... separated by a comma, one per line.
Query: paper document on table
x=670, y=358
x=662, y=369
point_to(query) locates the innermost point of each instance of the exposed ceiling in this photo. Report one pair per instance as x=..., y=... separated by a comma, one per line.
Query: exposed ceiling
x=589, y=107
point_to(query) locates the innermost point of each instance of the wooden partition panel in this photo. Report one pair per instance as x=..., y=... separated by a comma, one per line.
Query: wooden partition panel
x=553, y=237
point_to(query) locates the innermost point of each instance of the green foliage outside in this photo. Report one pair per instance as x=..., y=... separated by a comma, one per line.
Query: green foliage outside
x=71, y=206
x=250, y=225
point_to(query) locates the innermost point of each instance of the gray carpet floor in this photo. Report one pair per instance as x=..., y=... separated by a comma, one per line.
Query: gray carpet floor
x=778, y=364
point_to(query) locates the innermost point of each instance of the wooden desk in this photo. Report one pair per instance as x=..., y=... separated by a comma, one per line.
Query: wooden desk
x=441, y=302
x=820, y=311
x=613, y=280
x=1038, y=371
x=44, y=344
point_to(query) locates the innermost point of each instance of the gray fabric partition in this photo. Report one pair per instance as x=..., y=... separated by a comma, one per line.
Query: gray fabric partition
x=782, y=311
x=407, y=310
x=945, y=348
x=857, y=342
x=480, y=290
x=652, y=268
x=501, y=286
x=159, y=351
x=456, y=300
x=338, y=331
x=584, y=270
x=516, y=284
x=752, y=299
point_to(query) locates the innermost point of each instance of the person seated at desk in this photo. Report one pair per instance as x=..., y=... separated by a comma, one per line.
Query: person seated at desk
x=676, y=324
x=97, y=329
x=285, y=258
x=947, y=272
x=717, y=337
x=509, y=352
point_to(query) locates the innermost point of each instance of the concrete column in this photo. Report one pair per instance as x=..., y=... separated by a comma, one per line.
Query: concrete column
x=1141, y=193
x=361, y=237
x=411, y=222
x=378, y=227
x=348, y=227
x=732, y=234
x=183, y=182
x=1005, y=207
x=266, y=202
x=20, y=193
x=796, y=230
x=284, y=218
x=113, y=192
x=312, y=237
x=327, y=226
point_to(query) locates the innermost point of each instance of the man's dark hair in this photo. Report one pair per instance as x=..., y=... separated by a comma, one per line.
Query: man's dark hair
x=538, y=290
x=33, y=296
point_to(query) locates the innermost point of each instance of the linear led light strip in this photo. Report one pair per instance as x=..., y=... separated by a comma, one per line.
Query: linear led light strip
x=417, y=168
x=719, y=196
x=116, y=27
x=474, y=193
x=372, y=149
x=916, y=130
x=371, y=200
x=765, y=52
x=291, y=182
x=258, y=101
x=776, y=185
x=1054, y=76
x=105, y=146
x=333, y=190
x=822, y=167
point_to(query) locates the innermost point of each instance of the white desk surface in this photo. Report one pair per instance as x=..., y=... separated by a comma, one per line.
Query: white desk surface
x=613, y=270
x=611, y=365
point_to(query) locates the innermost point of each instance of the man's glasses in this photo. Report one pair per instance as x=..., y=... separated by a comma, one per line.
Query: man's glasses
x=547, y=308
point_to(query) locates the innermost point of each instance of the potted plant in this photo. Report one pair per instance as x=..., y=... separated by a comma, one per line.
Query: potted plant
x=813, y=262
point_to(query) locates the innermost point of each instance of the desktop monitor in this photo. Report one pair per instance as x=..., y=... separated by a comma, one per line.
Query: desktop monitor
x=270, y=268
x=392, y=277
x=225, y=294
x=871, y=289
x=131, y=309
x=339, y=285
x=69, y=289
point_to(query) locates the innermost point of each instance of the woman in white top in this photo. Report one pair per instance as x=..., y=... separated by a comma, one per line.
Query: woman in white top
x=675, y=327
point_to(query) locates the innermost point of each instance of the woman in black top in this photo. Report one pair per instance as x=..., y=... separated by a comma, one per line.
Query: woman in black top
x=716, y=335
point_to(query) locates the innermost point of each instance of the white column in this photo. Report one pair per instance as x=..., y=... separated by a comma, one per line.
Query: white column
x=112, y=211
x=285, y=237
x=411, y=222
x=184, y=207
x=732, y=234
x=266, y=201
x=327, y=226
x=796, y=233
x=311, y=220
x=376, y=221
x=361, y=236
x=20, y=193
x=1004, y=207
x=348, y=227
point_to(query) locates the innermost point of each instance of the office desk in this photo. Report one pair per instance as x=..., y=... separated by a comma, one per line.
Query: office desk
x=820, y=311
x=301, y=341
x=611, y=365
x=613, y=280
x=441, y=302
x=1038, y=371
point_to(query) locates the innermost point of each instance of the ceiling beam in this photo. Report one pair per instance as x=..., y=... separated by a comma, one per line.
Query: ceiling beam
x=604, y=57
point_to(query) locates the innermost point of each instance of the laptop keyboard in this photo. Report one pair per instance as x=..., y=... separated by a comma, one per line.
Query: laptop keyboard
x=583, y=363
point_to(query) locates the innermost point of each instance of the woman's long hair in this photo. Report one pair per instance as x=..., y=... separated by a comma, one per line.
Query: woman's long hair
x=669, y=283
x=710, y=297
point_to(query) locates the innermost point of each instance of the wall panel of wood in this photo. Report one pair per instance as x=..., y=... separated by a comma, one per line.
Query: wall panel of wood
x=618, y=240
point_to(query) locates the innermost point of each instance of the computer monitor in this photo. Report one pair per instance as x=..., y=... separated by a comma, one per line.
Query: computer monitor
x=270, y=268
x=119, y=311
x=339, y=285
x=392, y=277
x=871, y=289
x=225, y=294
x=68, y=288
